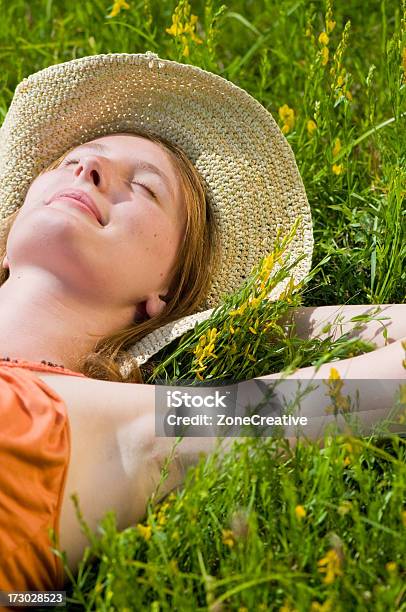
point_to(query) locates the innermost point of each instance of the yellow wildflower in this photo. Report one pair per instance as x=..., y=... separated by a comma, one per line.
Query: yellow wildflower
x=330, y=25
x=324, y=607
x=287, y=115
x=117, y=6
x=254, y=302
x=330, y=565
x=213, y=333
x=311, y=127
x=252, y=330
x=324, y=54
x=239, y=311
x=300, y=512
x=205, y=347
x=323, y=39
x=345, y=506
x=335, y=385
x=340, y=80
x=287, y=607
x=391, y=566
x=228, y=538
x=337, y=169
x=348, y=95
x=145, y=531
x=336, y=147
x=176, y=28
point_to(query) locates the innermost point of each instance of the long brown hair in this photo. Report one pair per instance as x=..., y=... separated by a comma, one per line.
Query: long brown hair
x=190, y=280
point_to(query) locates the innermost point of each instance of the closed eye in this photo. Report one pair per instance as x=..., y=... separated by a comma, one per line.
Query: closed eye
x=145, y=187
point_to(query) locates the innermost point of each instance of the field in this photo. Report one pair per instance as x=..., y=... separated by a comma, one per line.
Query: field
x=317, y=527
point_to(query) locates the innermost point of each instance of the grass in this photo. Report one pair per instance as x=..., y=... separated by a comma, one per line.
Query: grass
x=270, y=528
x=267, y=528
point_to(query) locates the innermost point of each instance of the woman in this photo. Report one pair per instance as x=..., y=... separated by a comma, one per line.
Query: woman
x=159, y=199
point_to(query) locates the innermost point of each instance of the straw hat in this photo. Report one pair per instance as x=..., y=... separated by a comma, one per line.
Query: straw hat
x=247, y=165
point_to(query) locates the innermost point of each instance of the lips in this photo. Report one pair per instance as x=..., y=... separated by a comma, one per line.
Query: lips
x=82, y=197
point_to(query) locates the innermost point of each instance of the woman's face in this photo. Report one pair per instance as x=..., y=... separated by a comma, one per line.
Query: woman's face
x=125, y=250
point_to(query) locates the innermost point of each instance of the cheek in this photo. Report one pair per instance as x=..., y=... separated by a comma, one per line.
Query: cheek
x=40, y=189
x=156, y=234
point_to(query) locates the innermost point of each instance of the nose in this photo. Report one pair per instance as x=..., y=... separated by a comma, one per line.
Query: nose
x=92, y=168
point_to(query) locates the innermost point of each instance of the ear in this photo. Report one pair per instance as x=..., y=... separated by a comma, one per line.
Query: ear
x=5, y=263
x=154, y=305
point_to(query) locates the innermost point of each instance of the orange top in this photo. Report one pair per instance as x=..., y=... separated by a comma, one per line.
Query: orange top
x=35, y=449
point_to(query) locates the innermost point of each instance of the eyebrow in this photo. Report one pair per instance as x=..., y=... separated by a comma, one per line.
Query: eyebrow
x=138, y=164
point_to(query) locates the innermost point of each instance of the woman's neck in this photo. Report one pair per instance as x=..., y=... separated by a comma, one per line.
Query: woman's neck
x=41, y=320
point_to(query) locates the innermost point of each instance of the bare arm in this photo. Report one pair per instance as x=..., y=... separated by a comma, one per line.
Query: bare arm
x=313, y=321
x=376, y=376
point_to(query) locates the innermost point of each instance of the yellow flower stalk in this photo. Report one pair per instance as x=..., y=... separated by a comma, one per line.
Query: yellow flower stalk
x=311, y=127
x=239, y=311
x=145, y=531
x=176, y=28
x=330, y=565
x=287, y=115
x=404, y=63
x=117, y=6
x=330, y=25
x=335, y=385
x=324, y=55
x=183, y=27
x=336, y=147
